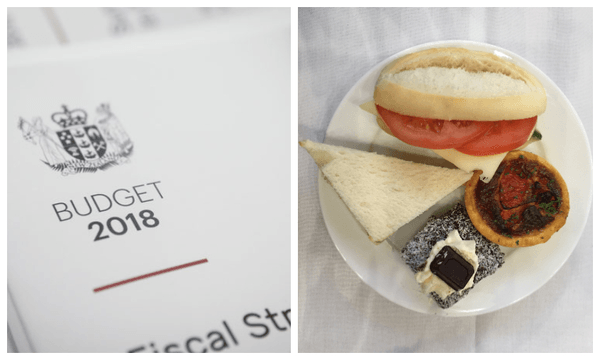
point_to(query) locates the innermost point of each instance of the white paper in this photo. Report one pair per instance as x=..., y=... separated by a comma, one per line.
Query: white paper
x=87, y=24
x=29, y=27
x=197, y=124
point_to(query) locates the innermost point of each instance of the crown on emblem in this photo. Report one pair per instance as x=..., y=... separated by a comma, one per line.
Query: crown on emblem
x=69, y=118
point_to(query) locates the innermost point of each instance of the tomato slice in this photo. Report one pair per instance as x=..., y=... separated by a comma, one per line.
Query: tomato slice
x=504, y=135
x=433, y=133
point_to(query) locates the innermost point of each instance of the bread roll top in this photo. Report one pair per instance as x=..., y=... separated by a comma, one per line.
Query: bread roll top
x=459, y=84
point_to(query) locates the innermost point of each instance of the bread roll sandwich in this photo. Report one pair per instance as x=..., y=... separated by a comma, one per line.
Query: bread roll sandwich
x=469, y=107
x=383, y=193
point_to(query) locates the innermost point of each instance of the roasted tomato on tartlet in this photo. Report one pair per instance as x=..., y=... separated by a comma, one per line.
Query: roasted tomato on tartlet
x=524, y=204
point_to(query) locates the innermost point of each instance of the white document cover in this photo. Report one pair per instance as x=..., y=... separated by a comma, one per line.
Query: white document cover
x=149, y=192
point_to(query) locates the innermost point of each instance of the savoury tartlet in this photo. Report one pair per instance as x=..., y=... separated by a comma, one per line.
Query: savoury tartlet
x=526, y=201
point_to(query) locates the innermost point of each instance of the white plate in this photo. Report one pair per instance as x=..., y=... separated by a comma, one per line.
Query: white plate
x=564, y=144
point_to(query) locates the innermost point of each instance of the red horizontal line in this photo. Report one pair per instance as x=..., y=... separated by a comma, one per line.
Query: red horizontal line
x=127, y=281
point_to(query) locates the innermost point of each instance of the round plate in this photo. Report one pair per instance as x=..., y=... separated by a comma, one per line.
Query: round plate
x=564, y=145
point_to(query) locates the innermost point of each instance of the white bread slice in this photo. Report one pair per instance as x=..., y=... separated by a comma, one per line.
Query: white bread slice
x=383, y=193
x=459, y=84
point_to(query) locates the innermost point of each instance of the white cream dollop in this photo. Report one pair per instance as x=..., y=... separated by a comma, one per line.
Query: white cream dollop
x=430, y=282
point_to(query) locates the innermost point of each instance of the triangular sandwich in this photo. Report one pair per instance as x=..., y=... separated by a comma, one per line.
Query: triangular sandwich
x=383, y=193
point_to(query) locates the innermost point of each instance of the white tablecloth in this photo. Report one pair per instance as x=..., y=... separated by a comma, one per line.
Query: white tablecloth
x=337, y=311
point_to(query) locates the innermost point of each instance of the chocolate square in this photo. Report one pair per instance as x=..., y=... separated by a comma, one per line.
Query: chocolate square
x=452, y=268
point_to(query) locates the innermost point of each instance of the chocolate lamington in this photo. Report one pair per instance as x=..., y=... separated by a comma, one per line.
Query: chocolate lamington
x=417, y=250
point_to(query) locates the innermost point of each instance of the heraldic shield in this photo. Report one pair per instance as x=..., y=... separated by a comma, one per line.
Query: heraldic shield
x=80, y=146
x=83, y=142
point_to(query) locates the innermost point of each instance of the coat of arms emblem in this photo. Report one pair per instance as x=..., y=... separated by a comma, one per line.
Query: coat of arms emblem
x=78, y=146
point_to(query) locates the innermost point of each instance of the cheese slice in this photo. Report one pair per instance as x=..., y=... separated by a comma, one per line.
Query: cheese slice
x=369, y=107
x=487, y=164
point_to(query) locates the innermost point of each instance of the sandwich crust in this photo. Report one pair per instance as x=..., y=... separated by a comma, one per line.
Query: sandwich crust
x=406, y=101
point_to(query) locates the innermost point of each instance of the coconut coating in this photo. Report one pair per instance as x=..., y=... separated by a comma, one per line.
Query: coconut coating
x=417, y=250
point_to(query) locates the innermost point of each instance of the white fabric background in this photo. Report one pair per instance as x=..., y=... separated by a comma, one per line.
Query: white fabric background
x=337, y=311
